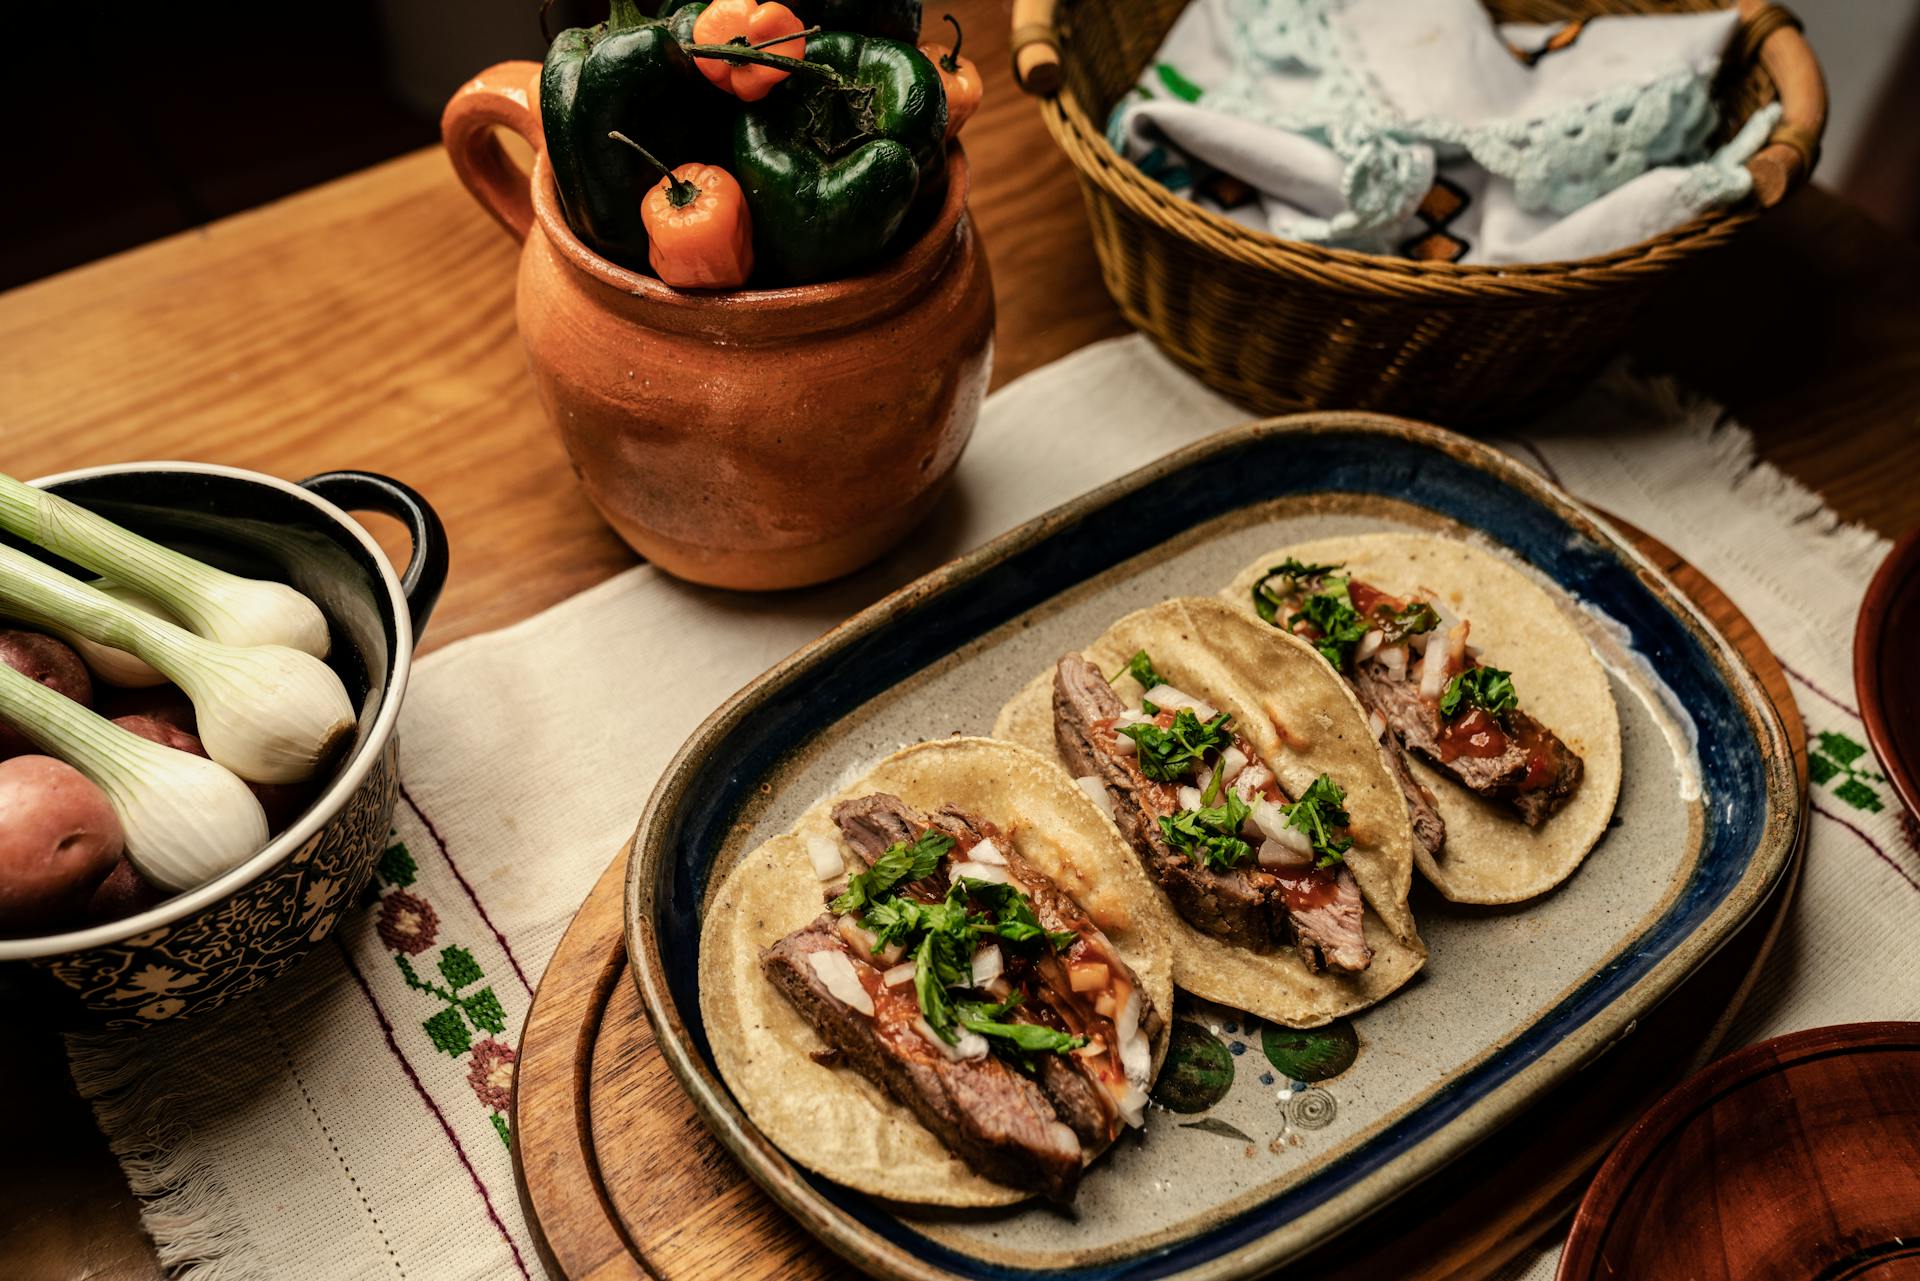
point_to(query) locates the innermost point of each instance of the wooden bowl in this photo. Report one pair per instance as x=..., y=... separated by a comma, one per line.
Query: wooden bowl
x=1884, y=674
x=1797, y=1159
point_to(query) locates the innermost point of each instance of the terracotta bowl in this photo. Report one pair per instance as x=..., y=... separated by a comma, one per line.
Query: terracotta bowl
x=198, y=950
x=1884, y=675
x=749, y=438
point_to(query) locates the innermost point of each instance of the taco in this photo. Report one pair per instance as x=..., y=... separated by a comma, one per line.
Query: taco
x=949, y=985
x=1507, y=748
x=1242, y=775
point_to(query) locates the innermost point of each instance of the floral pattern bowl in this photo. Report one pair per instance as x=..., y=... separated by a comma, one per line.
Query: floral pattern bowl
x=198, y=950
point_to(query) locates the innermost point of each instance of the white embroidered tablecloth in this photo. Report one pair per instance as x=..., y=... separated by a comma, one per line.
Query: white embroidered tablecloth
x=350, y=1121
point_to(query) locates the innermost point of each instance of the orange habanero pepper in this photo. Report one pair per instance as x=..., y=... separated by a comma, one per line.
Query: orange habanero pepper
x=699, y=232
x=959, y=77
x=754, y=25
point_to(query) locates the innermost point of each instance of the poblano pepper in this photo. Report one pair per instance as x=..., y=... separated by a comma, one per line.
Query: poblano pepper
x=894, y=19
x=832, y=163
x=628, y=75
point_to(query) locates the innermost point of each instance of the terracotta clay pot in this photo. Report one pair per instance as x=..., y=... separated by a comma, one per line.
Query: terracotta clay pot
x=751, y=438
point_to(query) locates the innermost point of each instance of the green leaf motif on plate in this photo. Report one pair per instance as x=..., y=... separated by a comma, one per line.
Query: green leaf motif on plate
x=1198, y=1071
x=1210, y=1125
x=1311, y=1054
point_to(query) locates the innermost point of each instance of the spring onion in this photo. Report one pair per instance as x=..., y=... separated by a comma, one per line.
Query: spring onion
x=268, y=713
x=209, y=602
x=116, y=666
x=186, y=819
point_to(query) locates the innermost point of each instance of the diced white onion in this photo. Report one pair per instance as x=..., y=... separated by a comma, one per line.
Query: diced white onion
x=1097, y=793
x=1087, y=976
x=971, y=1045
x=1378, y=724
x=1369, y=645
x=1136, y=1058
x=1393, y=661
x=899, y=976
x=1190, y=798
x=1457, y=643
x=835, y=970
x=1103, y=1005
x=1267, y=819
x=1133, y=716
x=1126, y=1025
x=1232, y=761
x=1433, y=671
x=986, y=964
x=982, y=872
x=1273, y=853
x=987, y=852
x=857, y=936
x=1133, y=1105
x=1252, y=782
x=1093, y=1049
x=826, y=858
x=1168, y=696
x=1124, y=746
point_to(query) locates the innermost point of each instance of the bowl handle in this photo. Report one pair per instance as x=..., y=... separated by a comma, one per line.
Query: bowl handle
x=367, y=491
x=507, y=94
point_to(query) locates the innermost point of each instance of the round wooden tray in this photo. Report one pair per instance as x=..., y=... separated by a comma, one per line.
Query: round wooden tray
x=620, y=1179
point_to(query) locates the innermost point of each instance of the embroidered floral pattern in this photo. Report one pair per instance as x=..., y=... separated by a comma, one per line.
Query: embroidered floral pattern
x=1836, y=756
x=470, y=1020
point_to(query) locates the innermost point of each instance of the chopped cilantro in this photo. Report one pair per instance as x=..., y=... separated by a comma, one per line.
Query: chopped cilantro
x=1320, y=808
x=901, y=862
x=1268, y=596
x=1171, y=753
x=1415, y=618
x=984, y=1017
x=1140, y=667
x=942, y=937
x=1487, y=688
x=1330, y=610
x=1210, y=834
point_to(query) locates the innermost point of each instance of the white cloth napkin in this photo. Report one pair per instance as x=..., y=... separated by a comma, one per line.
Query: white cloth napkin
x=348, y=1121
x=1418, y=127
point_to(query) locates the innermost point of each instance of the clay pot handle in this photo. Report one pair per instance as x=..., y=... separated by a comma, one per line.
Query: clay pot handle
x=507, y=94
x=1036, y=47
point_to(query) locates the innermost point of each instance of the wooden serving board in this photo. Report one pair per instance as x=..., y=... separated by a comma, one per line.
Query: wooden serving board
x=619, y=1177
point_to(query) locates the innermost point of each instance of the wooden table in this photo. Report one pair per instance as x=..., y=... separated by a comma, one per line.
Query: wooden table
x=369, y=323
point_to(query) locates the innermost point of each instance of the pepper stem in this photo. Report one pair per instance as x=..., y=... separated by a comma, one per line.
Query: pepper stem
x=761, y=58
x=951, y=62
x=680, y=192
x=768, y=44
x=622, y=14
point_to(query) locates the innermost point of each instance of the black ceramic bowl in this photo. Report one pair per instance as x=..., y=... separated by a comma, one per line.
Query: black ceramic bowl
x=202, y=948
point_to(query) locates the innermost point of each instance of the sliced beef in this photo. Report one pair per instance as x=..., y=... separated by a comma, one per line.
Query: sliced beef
x=874, y=823
x=1429, y=829
x=1329, y=918
x=1244, y=906
x=1534, y=774
x=1002, y=1124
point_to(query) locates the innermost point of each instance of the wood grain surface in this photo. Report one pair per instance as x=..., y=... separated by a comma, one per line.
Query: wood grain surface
x=619, y=1177
x=369, y=323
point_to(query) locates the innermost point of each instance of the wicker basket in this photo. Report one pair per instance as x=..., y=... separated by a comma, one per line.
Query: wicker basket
x=1282, y=326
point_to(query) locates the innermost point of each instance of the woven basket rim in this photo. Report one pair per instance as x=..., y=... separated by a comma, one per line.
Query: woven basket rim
x=1096, y=160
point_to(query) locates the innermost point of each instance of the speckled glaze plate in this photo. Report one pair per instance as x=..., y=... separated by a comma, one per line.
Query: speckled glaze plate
x=1264, y=1140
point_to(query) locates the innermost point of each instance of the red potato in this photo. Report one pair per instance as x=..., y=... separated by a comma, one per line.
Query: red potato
x=283, y=802
x=162, y=702
x=58, y=840
x=122, y=894
x=51, y=662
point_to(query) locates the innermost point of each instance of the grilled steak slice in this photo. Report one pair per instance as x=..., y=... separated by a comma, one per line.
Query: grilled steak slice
x=998, y=1121
x=1523, y=764
x=1429, y=829
x=872, y=824
x=1081, y=1101
x=1249, y=906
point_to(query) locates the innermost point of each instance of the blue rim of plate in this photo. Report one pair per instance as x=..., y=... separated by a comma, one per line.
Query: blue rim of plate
x=1751, y=805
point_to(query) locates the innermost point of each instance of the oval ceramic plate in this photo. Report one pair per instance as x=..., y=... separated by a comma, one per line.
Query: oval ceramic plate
x=1795, y=1158
x=1265, y=1141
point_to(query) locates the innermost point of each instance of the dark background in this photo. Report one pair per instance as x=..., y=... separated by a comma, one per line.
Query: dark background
x=142, y=121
